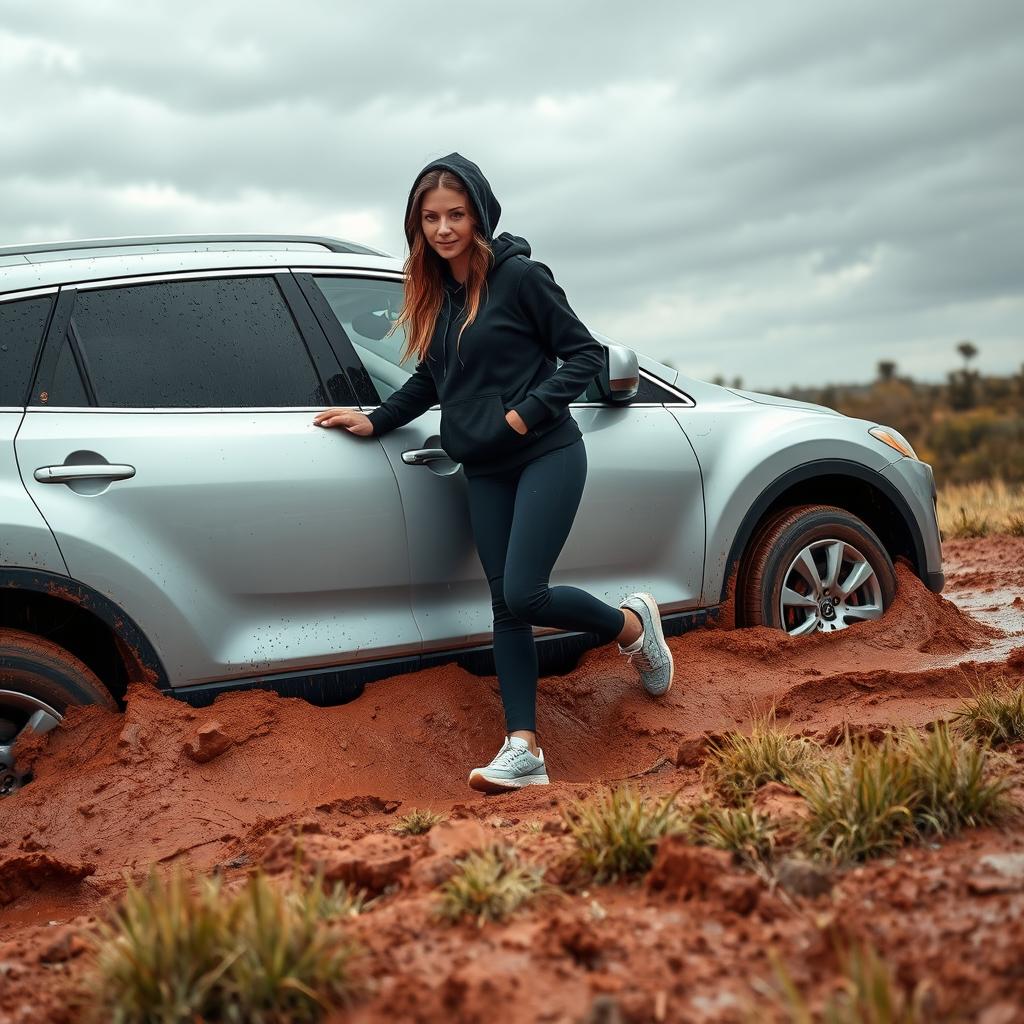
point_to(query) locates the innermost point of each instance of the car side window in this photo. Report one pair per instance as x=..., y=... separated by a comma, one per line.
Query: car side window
x=366, y=308
x=22, y=322
x=221, y=342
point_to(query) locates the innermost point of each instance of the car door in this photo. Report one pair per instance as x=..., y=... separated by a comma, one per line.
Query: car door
x=169, y=443
x=640, y=525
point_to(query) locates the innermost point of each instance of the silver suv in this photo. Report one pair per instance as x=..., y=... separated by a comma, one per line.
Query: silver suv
x=172, y=515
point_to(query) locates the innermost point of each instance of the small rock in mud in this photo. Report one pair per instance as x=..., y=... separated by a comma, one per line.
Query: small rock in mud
x=28, y=871
x=803, y=877
x=457, y=838
x=692, y=752
x=210, y=741
x=699, y=872
x=998, y=872
x=64, y=946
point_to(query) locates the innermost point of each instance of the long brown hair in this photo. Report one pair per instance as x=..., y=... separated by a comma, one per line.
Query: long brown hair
x=424, y=269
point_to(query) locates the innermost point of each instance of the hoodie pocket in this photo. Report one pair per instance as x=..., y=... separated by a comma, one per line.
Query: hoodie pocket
x=475, y=428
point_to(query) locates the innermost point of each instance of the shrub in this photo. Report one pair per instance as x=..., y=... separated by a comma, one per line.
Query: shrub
x=616, y=833
x=489, y=885
x=262, y=954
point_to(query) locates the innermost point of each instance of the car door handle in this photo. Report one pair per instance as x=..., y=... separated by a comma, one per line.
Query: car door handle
x=424, y=456
x=67, y=474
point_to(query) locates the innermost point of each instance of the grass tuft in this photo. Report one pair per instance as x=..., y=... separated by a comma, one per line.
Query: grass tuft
x=489, y=885
x=616, y=832
x=874, y=799
x=969, y=525
x=416, y=822
x=868, y=994
x=741, y=830
x=993, y=716
x=1015, y=524
x=171, y=952
x=740, y=763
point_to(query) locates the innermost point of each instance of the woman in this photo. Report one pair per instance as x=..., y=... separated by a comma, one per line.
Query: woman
x=485, y=323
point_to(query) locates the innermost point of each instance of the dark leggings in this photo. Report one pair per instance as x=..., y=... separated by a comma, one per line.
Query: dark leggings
x=520, y=521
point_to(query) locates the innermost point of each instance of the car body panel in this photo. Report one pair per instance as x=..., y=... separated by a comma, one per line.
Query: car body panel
x=26, y=541
x=743, y=447
x=640, y=525
x=247, y=541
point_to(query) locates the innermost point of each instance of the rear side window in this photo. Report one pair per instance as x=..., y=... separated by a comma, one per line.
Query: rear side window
x=216, y=342
x=22, y=322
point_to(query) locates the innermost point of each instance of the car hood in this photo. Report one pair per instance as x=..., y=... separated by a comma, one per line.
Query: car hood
x=787, y=403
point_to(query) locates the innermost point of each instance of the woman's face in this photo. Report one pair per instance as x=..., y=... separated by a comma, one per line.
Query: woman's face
x=447, y=221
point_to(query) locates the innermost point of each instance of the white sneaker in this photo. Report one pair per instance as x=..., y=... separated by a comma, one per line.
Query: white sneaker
x=649, y=654
x=512, y=768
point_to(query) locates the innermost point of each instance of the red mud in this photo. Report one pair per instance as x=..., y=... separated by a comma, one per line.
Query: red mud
x=232, y=784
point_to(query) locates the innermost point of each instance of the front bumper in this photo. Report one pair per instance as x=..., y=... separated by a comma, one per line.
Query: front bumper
x=916, y=483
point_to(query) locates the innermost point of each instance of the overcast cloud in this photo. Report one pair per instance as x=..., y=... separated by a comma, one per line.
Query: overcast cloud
x=786, y=192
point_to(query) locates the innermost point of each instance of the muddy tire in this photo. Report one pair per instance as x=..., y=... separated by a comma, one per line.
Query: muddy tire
x=815, y=568
x=39, y=681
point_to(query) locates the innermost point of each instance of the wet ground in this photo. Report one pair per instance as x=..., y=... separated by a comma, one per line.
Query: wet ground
x=227, y=786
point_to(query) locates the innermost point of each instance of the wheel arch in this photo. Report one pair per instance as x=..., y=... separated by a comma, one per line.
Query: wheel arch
x=85, y=622
x=856, y=488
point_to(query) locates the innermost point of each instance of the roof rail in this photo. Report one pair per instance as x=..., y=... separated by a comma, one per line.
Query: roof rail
x=127, y=241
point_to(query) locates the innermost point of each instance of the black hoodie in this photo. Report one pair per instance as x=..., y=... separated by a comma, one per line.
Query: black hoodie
x=505, y=358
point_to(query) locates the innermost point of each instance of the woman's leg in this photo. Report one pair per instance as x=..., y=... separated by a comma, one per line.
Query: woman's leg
x=547, y=497
x=491, y=499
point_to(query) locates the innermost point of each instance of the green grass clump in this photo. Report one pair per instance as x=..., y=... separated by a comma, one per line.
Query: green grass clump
x=993, y=716
x=955, y=787
x=174, y=953
x=741, y=830
x=873, y=799
x=616, y=833
x=489, y=885
x=868, y=994
x=416, y=822
x=739, y=764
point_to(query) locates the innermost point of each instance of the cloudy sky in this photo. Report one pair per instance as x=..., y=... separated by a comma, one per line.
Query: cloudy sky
x=782, y=191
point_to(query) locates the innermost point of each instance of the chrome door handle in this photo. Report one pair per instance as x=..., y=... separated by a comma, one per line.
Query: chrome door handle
x=67, y=474
x=424, y=456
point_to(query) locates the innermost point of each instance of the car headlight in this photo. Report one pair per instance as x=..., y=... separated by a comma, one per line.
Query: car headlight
x=894, y=439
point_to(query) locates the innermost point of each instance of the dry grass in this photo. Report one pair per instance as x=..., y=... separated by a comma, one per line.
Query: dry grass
x=737, y=765
x=173, y=952
x=616, y=833
x=995, y=715
x=489, y=885
x=873, y=799
x=978, y=509
x=741, y=830
x=416, y=822
x=868, y=994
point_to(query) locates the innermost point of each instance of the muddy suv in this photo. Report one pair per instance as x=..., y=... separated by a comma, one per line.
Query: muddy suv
x=171, y=514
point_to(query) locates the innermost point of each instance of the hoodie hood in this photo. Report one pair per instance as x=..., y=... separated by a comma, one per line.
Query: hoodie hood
x=488, y=209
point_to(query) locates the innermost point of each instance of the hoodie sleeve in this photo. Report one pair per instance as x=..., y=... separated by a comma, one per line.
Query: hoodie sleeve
x=544, y=303
x=414, y=397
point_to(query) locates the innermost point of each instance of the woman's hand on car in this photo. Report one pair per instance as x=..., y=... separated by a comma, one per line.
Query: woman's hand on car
x=353, y=421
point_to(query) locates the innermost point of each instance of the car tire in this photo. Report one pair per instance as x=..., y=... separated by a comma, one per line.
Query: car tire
x=800, y=572
x=39, y=681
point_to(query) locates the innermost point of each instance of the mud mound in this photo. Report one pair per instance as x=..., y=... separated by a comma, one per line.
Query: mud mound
x=166, y=780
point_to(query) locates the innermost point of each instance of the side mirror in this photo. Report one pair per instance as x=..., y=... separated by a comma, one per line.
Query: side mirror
x=618, y=381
